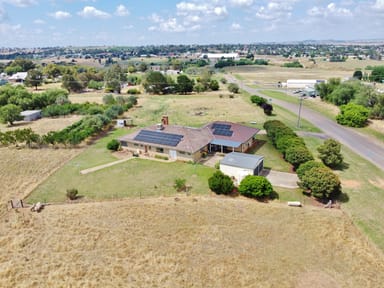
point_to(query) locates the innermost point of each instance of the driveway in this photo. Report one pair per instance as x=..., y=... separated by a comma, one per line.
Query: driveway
x=367, y=147
x=281, y=179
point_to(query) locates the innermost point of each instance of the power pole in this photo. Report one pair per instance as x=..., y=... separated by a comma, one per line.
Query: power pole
x=300, y=104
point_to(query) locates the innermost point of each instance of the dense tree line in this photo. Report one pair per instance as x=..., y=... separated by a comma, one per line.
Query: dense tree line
x=357, y=101
x=288, y=143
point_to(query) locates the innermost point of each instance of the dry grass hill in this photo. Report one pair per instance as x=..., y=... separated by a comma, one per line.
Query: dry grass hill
x=185, y=242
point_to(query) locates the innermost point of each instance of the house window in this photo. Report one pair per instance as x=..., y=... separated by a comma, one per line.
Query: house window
x=135, y=144
x=124, y=143
x=182, y=152
x=160, y=150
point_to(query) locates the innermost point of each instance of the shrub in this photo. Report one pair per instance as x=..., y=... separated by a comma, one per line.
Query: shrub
x=286, y=141
x=353, y=115
x=304, y=167
x=258, y=100
x=233, y=87
x=255, y=186
x=133, y=91
x=330, y=153
x=113, y=145
x=268, y=108
x=220, y=183
x=297, y=155
x=321, y=182
x=109, y=99
x=157, y=156
x=72, y=193
x=180, y=184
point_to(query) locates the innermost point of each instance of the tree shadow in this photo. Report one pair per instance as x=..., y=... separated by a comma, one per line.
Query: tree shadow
x=342, y=167
x=343, y=197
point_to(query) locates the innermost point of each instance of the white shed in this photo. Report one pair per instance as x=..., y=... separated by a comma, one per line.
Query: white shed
x=238, y=165
x=31, y=115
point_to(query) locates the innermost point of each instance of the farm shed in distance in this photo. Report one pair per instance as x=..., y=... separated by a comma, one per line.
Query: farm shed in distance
x=302, y=83
x=239, y=165
x=31, y=115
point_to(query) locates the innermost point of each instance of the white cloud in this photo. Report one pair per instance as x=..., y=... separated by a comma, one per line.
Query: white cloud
x=170, y=25
x=39, y=21
x=241, y=3
x=331, y=10
x=20, y=3
x=379, y=5
x=202, y=9
x=92, y=12
x=3, y=15
x=236, y=26
x=275, y=10
x=121, y=10
x=6, y=28
x=59, y=15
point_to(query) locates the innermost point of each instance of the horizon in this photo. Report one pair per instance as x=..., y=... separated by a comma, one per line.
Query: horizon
x=85, y=23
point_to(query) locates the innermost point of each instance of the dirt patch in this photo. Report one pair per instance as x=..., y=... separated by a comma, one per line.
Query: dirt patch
x=378, y=182
x=350, y=183
x=316, y=280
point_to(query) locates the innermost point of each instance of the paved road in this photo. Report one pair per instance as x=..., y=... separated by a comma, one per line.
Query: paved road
x=367, y=147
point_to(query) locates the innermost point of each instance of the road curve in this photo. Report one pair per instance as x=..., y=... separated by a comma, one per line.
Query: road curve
x=365, y=146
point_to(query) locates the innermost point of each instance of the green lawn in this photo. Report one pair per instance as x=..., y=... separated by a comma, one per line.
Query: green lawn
x=134, y=178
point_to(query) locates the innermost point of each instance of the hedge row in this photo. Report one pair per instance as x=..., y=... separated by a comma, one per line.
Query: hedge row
x=288, y=143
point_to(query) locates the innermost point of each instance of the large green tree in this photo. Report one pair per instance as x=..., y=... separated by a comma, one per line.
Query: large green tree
x=10, y=113
x=330, y=153
x=322, y=183
x=114, y=77
x=155, y=82
x=377, y=74
x=34, y=78
x=184, y=84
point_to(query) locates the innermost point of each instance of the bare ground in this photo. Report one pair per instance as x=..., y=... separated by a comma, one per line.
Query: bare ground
x=185, y=242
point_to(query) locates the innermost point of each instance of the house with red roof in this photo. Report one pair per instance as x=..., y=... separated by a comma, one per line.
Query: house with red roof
x=189, y=143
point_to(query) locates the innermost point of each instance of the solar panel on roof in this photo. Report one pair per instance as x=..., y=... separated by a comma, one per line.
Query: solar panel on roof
x=222, y=132
x=157, y=137
x=221, y=126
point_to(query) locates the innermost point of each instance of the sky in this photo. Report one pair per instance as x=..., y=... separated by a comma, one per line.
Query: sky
x=48, y=23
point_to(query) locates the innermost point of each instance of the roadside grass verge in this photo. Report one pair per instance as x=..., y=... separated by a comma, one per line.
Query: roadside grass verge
x=362, y=186
x=326, y=109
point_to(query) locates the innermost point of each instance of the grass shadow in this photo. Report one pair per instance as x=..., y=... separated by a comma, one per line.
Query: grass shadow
x=259, y=143
x=342, y=167
x=343, y=197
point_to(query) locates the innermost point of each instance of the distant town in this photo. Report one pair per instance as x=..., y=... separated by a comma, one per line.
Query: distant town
x=335, y=50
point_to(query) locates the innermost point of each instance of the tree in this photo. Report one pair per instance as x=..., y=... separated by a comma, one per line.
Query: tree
x=353, y=115
x=377, y=74
x=330, y=153
x=220, y=183
x=71, y=82
x=297, y=155
x=184, y=84
x=358, y=75
x=34, y=78
x=114, y=77
x=214, y=85
x=321, y=182
x=52, y=71
x=304, y=167
x=155, y=82
x=233, y=88
x=255, y=186
x=10, y=113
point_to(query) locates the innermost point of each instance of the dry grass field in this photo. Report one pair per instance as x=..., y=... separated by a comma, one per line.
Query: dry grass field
x=192, y=242
x=43, y=125
x=22, y=170
x=269, y=75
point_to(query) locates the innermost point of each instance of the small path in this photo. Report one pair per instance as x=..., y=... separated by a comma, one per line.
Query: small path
x=96, y=168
